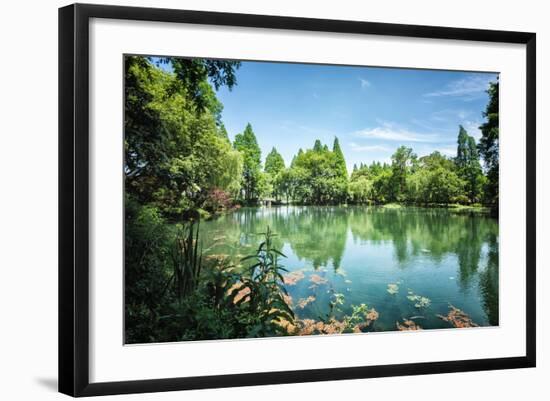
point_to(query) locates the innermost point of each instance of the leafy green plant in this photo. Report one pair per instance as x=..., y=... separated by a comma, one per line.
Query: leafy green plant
x=264, y=304
x=186, y=259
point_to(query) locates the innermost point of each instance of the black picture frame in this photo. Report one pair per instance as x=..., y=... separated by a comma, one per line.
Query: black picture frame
x=74, y=198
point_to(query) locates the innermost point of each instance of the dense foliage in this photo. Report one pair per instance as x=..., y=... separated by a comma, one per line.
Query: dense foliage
x=175, y=151
x=174, y=293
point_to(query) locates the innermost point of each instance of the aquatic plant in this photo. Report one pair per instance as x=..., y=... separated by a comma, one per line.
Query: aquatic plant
x=263, y=291
x=288, y=299
x=186, y=259
x=359, y=321
x=419, y=301
x=457, y=318
x=293, y=277
x=393, y=289
x=232, y=303
x=310, y=326
x=303, y=302
x=361, y=318
x=241, y=295
x=317, y=280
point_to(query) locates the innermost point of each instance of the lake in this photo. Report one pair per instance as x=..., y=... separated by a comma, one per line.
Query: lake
x=404, y=262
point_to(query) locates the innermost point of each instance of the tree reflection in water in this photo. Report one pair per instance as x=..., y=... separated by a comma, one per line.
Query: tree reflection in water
x=325, y=237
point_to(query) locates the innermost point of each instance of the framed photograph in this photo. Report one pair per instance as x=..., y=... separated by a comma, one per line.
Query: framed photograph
x=251, y=199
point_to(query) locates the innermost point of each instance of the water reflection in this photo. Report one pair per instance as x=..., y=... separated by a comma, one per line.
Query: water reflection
x=439, y=252
x=489, y=282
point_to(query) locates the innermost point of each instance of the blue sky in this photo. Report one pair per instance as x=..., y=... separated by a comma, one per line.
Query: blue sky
x=372, y=111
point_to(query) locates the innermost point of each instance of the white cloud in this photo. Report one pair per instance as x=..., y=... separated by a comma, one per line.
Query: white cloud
x=364, y=83
x=473, y=128
x=449, y=115
x=368, y=148
x=390, y=132
x=467, y=88
x=448, y=151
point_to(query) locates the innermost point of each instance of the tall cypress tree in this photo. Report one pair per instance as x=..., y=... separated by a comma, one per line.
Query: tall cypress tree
x=274, y=162
x=340, y=160
x=318, y=146
x=469, y=168
x=274, y=166
x=247, y=144
x=489, y=145
x=462, y=150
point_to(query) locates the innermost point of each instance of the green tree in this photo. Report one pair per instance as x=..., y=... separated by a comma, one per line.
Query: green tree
x=382, y=185
x=274, y=165
x=340, y=160
x=435, y=181
x=274, y=162
x=317, y=178
x=360, y=190
x=247, y=144
x=318, y=146
x=195, y=75
x=469, y=168
x=174, y=154
x=462, y=150
x=402, y=161
x=489, y=145
x=284, y=183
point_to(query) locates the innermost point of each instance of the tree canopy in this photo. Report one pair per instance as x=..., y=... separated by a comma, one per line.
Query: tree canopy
x=174, y=154
x=247, y=144
x=489, y=145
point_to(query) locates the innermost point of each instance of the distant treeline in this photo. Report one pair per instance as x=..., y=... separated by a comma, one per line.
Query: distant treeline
x=179, y=158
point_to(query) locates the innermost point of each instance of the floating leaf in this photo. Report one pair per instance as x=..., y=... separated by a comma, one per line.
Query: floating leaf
x=372, y=315
x=317, y=280
x=309, y=326
x=458, y=318
x=303, y=302
x=293, y=277
x=393, y=288
x=419, y=301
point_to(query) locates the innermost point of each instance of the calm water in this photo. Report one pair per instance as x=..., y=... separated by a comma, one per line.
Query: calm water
x=357, y=251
